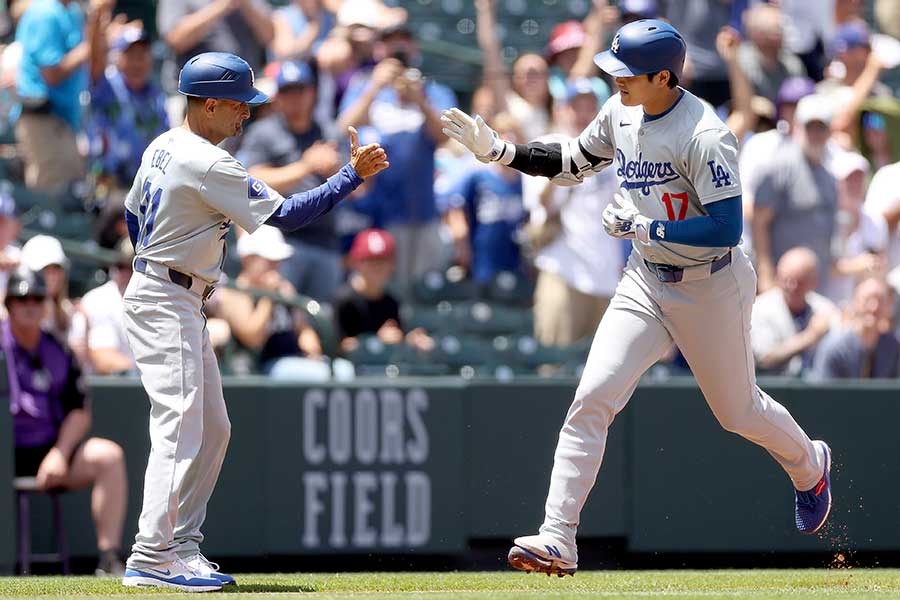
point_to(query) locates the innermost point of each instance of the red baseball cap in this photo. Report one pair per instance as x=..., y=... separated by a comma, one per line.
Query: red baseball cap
x=372, y=243
x=565, y=36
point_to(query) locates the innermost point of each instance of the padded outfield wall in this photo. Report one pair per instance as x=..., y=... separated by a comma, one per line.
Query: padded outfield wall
x=424, y=466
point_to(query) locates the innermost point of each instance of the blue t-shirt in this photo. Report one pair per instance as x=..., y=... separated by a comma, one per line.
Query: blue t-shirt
x=403, y=194
x=47, y=32
x=122, y=124
x=493, y=207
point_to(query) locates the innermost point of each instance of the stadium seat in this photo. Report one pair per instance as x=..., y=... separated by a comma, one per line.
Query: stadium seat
x=24, y=488
x=486, y=318
x=509, y=287
x=434, y=286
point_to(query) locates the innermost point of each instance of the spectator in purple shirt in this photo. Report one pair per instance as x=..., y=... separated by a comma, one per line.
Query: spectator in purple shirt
x=52, y=418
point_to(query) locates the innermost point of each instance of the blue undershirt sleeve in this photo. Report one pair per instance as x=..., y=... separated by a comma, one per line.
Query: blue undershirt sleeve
x=134, y=228
x=721, y=227
x=300, y=209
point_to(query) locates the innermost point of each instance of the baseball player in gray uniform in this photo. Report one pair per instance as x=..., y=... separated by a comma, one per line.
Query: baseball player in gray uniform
x=680, y=203
x=187, y=194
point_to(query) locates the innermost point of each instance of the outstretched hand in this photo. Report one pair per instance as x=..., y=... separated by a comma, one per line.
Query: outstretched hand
x=368, y=160
x=474, y=134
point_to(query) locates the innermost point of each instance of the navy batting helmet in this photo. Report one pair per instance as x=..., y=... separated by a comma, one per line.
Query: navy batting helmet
x=645, y=46
x=219, y=75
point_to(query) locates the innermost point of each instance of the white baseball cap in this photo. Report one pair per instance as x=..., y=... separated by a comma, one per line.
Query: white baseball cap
x=815, y=107
x=266, y=242
x=42, y=251
x=844, y=163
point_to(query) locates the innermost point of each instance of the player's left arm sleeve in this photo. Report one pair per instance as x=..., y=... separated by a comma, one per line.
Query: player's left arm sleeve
x=299, y=209
x=721, y=227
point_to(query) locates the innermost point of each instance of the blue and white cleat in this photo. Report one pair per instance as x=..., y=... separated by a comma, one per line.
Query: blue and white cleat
x=543, y=554
x=175, y=575
x=812, y=507
x=206, y=568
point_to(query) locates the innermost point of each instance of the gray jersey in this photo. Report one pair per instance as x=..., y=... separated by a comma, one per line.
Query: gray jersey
x=186, y=195
x=670, y=166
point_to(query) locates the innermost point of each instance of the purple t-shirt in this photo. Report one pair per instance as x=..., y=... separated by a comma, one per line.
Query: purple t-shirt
x=44, y=387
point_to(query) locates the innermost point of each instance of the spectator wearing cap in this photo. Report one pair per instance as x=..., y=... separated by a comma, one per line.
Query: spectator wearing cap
x=98, y=326
x=761, y=150
x=287, y=347
x=483, y=210
x=52, y=419
x=288, y=152
x=763, y=56
x=300, y=29
x=128, y=110
x=363, y=305
x=44, y=254
x=865, y=345
x=578, y=267
x=191, y=27
x=395, y=106
x=861, y=236
x=795, y=203
x=571, y=50
x=790, y=320
x=10, y=254
x=57, y=46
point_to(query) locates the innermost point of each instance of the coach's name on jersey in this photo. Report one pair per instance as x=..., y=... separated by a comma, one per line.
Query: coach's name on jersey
x=161, y=159
x=363, y=481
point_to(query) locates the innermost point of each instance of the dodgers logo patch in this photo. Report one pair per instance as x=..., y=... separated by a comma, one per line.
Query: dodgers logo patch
x=257, y=190
x=615, y=44
x=641, y=174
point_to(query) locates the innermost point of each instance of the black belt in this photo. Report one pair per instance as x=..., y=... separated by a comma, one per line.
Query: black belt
x=176, y=277
x=673, y=274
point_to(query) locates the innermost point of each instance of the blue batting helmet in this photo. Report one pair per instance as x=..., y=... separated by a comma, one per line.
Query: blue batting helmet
x=644, y=46
x=219, y=75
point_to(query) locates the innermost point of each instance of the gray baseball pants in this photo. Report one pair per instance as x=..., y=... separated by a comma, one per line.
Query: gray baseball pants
x=189, y=426
x=708, y=318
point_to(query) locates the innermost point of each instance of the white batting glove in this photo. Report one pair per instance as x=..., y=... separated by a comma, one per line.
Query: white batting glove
x=623, y=220
x=474, y=134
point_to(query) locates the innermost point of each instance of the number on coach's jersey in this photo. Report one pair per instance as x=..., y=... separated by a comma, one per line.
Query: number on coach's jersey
x=720, y=176
x=148, y=209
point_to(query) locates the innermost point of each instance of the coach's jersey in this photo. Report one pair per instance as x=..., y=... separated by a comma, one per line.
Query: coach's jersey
x=670, y=166
x=186, y=195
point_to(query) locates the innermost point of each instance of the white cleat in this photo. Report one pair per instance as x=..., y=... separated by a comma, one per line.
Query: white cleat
x=543, y=554
x=175, y=575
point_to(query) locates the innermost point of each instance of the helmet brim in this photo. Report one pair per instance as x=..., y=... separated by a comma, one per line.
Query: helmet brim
x=608, y=63
x=256, y=97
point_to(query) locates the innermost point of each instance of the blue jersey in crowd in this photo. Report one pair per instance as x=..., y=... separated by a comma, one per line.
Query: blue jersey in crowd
x=123, y=123
x=493, y=207
x=47, y=32
x=403, y=194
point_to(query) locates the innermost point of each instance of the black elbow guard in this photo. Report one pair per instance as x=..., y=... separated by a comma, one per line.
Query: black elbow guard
x=538, y=159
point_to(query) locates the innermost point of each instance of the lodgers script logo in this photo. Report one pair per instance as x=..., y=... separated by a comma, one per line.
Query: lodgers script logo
x=642, y=175
x=364, y=486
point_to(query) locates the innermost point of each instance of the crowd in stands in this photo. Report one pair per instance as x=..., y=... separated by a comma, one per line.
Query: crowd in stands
x=443, y=260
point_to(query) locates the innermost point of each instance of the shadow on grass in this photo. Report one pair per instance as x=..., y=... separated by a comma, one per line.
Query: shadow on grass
x=256, y=588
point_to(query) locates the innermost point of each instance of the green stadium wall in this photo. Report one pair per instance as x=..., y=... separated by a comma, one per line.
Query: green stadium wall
x=425, y=466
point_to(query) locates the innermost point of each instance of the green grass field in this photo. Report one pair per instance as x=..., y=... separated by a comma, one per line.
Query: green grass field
x=757, y=584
